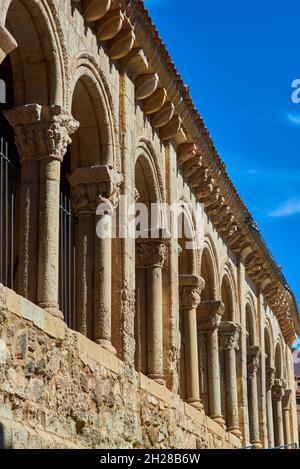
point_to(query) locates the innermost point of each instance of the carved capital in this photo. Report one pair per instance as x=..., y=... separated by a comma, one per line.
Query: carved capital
x=7, y=42
x=286, y=402
x=41, y=131
x=151, y=253
x=209, y=315
x=190, y=287
x=253, y=360
x=270, y=377
x=278, y=389
x=229, y=334
x=95, y=186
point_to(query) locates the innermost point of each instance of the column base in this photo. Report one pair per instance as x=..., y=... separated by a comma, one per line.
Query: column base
x=195, y=403
x=256, y=444
x=53, y=310
x=218, y=419
x=235, y=431
x=159, y=379
x=107, y=345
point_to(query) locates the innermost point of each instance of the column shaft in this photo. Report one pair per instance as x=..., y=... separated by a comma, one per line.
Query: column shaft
x=278, y=423
x=253, y=411
x=155, y=325
x=49, y=236
x=270, y=422
x=85, y=277
x=191, y=359
x=103, y=300
x=214, y=376
x=231, y=388
x=28, y=232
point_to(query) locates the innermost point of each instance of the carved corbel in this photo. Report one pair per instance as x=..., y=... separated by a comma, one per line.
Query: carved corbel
x=109, y=26
x=163, y=116
x=146, y=85
x=93, y=10
x=171, y=129
x=7, y=43
x=121, y=44
x=186, y=152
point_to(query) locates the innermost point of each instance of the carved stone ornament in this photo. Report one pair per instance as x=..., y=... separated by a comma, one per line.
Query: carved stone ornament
x=95, y=186
x=209, y=315
x=229, y=334
x=190, y=287
x=151, y=253
x=278, y=390
x=253, y=359
x=270, y=377
x=41, y=131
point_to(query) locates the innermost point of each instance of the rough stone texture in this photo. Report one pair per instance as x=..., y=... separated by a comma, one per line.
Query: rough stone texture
x=60, y=390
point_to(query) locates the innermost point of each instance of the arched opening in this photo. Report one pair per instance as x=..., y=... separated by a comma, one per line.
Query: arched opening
x=186, y=263
x=227, y=298
x=150, y=280
x=253, y=365
x=227, y=358
x=208, y=297
x=30, y=75
x=10, y=173
x=207, y=273
x=270, y=376
x=146, y=194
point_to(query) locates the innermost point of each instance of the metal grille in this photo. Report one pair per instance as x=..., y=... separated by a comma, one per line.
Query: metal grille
x=9, y=186
x=67, y=256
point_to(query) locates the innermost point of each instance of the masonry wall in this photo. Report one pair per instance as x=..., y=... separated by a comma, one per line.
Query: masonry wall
x=60, y=390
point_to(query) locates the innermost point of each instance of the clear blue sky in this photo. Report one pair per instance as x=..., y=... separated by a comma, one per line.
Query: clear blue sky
x=240, y=59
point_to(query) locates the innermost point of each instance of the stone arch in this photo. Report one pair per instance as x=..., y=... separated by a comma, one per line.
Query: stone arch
x=269, y=347
x=250, y=321
x=188, y=255
x=229, y=294
x=209, y=271
x=147, y=165
x=93, y=144
x=37, y=69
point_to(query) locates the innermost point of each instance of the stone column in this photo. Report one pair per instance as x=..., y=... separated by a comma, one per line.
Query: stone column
x=42, y=136
x=278, y=392
x=151, y=255
x=209, y=316
x=95, y=197
x=7, y=43
x=270, y=378
x=190, y=288
x=286, y=406
x=229, y=333
x=253, y=358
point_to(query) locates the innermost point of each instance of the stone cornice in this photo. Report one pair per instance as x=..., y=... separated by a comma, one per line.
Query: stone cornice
x=135, y=41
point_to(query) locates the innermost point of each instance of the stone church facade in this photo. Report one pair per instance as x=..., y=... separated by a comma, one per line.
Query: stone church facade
x=123, y=342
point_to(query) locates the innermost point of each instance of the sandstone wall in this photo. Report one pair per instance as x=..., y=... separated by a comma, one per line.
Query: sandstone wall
x=60, y=390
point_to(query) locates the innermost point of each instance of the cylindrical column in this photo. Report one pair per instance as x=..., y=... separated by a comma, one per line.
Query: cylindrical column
x=190, y=291
x=151, y=255
x=229, y=342
x=286, y=406
x=270, y=377
x=48, y=267
x=278, y=393
x=84, y=272
x=155, y=324
x=28, y=233
x=42, y=133
x=209, y=316
x=214, y=376
x=253, y=367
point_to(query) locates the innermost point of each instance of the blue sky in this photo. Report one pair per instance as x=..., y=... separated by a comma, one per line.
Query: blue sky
x=240, y=59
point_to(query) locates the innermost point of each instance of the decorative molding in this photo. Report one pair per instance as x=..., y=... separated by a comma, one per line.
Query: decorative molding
x=229, y=335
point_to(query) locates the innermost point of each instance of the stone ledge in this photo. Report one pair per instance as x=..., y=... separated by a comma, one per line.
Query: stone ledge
x=197, y=415
x=87, y=348
x=54, y=327
x=155, y=389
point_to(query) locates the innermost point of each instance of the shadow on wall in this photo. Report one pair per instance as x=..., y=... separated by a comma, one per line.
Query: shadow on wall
x=4, y=441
